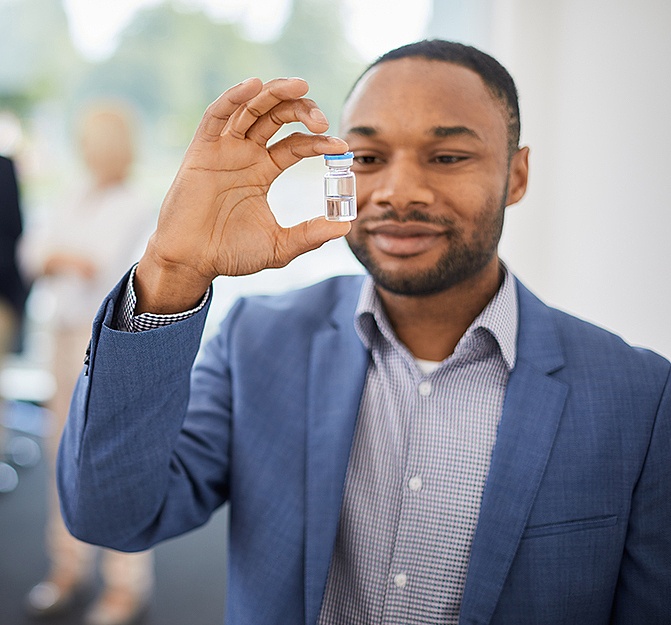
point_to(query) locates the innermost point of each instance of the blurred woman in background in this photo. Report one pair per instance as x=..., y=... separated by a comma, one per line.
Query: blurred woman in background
x=78, y=255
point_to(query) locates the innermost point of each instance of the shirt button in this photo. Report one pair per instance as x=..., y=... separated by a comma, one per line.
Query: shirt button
x=415, y=483
x=400, y=579
x=425, y=388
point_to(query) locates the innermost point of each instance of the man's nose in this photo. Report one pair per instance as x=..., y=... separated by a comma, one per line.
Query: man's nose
x=402, y=185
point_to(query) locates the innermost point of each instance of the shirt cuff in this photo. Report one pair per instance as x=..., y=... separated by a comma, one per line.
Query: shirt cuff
x=127, y=321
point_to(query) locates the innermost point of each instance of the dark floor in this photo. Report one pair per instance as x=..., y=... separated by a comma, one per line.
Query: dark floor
x=190, y=570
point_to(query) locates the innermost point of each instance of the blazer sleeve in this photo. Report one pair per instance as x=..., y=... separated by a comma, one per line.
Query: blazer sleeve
x=643, y=593
x=133, y=468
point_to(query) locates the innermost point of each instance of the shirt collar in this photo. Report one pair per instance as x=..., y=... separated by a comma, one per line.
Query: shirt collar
x=499, y=318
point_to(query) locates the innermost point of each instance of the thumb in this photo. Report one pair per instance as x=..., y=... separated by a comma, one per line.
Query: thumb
x=307, y=236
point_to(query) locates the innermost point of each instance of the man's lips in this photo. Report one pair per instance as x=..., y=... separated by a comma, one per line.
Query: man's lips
x=404, y=239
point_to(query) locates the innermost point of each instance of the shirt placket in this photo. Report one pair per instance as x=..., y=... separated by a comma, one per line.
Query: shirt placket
x=402, y=577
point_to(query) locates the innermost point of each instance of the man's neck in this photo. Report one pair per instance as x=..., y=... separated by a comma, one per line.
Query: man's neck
x=430, y=326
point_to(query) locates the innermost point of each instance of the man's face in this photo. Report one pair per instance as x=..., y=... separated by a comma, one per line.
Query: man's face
x=433, y=174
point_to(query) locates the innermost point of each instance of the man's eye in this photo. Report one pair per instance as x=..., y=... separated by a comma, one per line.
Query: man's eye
x=366, y=160
x=449, y=159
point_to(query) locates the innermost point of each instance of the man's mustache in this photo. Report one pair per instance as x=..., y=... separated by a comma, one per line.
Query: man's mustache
x=414, y=215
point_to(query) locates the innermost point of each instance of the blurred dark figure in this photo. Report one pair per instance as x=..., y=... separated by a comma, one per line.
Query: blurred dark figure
x=13, y=292
x=77, y=255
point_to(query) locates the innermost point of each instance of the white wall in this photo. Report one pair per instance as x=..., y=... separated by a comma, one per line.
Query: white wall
x=593, y=235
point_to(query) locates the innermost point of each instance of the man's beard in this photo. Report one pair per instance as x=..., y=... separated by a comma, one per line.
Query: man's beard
x=462, y=260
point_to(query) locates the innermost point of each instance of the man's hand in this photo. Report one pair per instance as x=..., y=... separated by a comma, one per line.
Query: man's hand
x=70, y=263
x=215, y=219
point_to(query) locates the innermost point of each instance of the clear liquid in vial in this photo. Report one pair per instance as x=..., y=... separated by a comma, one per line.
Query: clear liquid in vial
x=341, y=208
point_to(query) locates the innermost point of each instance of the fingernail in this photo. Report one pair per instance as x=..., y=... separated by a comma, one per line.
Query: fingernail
x=318, y=116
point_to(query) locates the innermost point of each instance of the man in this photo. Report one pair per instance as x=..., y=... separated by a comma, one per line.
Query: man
x=428, y=445
x=13, y=294
x=13, y=290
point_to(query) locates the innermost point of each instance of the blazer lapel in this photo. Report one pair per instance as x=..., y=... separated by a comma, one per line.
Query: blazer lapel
x=532, y=409
x=337, y=373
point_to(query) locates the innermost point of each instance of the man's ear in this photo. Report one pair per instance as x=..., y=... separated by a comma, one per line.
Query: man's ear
x=518, y=176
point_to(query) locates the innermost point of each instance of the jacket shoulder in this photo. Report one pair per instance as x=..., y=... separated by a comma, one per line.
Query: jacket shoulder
x=588, y=345
x=603, y=342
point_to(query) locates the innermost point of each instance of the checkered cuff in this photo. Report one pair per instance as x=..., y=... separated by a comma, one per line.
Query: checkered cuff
x=127, y=321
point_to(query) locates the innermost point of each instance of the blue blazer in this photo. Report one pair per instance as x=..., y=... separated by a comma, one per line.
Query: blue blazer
x=575, y=523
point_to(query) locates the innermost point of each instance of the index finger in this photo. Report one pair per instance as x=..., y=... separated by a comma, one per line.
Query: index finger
x=301, y=110
x=218, y=113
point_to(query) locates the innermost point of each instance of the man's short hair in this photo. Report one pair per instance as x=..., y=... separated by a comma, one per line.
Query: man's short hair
x=497, y=79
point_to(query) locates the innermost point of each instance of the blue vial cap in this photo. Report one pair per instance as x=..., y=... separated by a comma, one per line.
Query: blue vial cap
x=341, y=160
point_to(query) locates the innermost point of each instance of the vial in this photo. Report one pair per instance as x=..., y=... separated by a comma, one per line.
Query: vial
x=339, y=187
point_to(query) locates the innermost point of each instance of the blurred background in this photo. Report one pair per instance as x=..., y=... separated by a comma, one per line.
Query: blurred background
x=590, y=237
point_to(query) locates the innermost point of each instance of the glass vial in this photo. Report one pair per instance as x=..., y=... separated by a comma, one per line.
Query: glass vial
x=339, y=187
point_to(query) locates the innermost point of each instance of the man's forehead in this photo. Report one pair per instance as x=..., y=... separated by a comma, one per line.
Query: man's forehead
x=439, y=93
x=395, y=74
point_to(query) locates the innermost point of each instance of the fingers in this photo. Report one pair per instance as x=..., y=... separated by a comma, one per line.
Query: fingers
x=273, y=92
x=307, y=236
x=218, y=113
x=301, y=110
x=255, y=110
x=296, y=147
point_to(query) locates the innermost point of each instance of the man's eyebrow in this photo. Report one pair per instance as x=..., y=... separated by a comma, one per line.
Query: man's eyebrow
x=363, y=131
x=436, y=131
x=453, y=131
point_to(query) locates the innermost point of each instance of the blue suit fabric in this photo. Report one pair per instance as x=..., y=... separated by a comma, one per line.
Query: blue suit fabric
x=575, y=523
